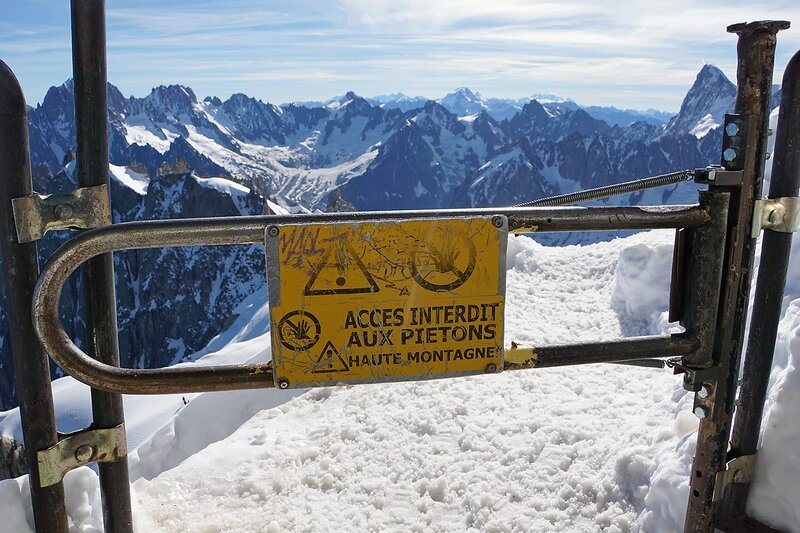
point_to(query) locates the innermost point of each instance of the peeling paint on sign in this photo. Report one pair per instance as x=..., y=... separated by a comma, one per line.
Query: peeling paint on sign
x=386, y=301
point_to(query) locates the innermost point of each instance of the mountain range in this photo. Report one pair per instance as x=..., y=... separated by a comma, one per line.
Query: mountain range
x=174, y=155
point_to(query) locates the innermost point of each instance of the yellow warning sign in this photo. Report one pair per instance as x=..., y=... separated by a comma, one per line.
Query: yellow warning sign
x=386, y=300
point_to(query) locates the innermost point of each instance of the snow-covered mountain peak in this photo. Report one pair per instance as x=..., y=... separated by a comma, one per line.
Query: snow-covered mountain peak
x=172, y=98
x=463, y=101
x=704, y=107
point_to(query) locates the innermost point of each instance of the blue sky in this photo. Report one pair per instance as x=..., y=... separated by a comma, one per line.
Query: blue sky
x=602, y=52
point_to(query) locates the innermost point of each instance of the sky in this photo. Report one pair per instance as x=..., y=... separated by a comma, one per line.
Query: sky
x=598, y=52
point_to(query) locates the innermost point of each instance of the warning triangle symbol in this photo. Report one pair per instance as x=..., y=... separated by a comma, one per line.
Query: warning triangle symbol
x=330, y=360
x=340, y=271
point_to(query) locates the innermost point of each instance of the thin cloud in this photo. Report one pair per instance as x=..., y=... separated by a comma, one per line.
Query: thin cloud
x=630, y=54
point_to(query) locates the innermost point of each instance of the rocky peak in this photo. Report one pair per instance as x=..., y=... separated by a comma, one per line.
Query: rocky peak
x=175, y=98
x=704, y=107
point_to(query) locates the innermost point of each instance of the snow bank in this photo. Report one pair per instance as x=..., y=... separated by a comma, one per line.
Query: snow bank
x=775, y=498
x=84, y=508
x=641, y=293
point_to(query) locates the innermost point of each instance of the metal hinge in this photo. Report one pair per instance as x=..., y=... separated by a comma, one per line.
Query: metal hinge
x=79, y=449
x=777, y=214
x=739, y=470
x=83, y=208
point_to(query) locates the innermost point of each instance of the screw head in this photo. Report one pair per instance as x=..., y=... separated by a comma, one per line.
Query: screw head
x=491, y=367
x=63, y=211
x=729, y=154
x=273, y=231
x=497, y=221
x=731, y=129
x=701, y=412
x=84, y=453
x=283, y=383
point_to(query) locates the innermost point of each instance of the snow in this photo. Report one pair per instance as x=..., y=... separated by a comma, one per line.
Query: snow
x=775, y=499
x=224, y=186
x=140, y=130
x=703, y=126
x=600, y=447
x=131, y=179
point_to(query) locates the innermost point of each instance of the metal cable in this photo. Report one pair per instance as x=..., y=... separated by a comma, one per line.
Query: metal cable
x=612, y=190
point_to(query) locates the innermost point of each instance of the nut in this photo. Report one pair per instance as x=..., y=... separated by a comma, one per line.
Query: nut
x=497, y=221
x=729, y=154
x=732, y=129
x=283, y=383
x=491, y=367
x=701, y=412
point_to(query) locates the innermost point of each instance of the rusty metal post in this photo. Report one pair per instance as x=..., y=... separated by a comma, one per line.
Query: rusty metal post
x=756, y=55
x=775, y=249
x=20, y=269
x=91, y=123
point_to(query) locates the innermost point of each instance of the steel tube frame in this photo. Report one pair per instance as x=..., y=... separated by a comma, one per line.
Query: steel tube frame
x=91, y=124
x=20, y=269
x=756, y=54
x=775, y=249
x=250, y=230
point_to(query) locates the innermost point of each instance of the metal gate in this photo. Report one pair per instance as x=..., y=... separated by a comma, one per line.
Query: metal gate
x=712, y=268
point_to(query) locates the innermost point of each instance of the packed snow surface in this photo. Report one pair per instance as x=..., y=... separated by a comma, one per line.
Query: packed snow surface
x=600, y=447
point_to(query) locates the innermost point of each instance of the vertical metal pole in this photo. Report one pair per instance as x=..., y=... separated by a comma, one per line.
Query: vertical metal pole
x=775, y=249
x=91, y=122
x=756, y=51
x=20, y=269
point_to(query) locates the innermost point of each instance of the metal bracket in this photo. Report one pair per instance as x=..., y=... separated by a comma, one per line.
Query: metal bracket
x=777, y=214
x=739, y=470
x=83, y=208
x=693, y=378
x=718, y=175
x=79, y=449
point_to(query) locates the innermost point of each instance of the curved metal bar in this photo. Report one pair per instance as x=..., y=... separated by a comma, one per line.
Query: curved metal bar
x=250, y=230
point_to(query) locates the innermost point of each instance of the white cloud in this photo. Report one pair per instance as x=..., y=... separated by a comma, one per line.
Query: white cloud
x=631, y=54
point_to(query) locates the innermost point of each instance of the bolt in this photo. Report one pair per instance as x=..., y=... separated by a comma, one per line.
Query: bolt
x=491, y=367
x=729, y=154
x=513, y=224
x=704, y=392
x=283, y=383
x=770, y=132
x=738, y=476
x=497, y=221
x=63, y=211
x=775, y=216
x=84, y=453
x=732, y=129
x=701, y=412
x=273, y=231
x=767, y=156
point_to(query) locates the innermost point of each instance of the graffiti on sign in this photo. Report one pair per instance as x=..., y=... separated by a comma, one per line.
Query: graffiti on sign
x=381, y=301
